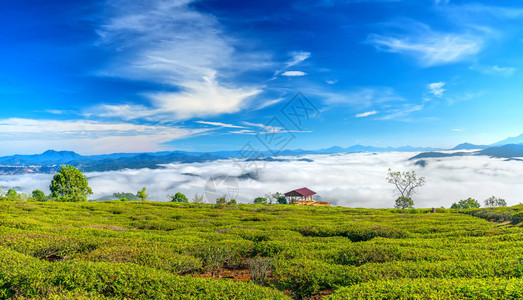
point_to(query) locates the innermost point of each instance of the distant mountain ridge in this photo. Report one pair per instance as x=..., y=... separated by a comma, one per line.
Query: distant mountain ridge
x=50, y=160
x=510, y=151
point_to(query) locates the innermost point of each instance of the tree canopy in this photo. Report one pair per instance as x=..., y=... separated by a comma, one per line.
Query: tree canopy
x=405, y=183
x=142, y=195
x=179, y=197
x=466, y=204
x=38, y=195
x=70, y=185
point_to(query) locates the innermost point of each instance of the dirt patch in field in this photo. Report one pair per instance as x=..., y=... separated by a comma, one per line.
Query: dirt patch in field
x=233, y=274
x=108, y=227
x=53, y=258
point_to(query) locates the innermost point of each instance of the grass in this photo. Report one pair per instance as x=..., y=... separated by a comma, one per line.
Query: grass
x=136, y=250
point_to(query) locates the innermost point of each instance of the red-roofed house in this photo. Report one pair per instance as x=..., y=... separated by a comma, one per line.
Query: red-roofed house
x=303, y=196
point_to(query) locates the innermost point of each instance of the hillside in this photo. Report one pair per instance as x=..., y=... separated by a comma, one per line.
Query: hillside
x=506, y=151
x=141, y=250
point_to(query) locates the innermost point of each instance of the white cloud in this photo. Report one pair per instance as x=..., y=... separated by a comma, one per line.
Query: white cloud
x=219, y=124
x=266, y=129
x=436, y=88
x=458, y=129
x=331, y=81
x=495, y=70
x=364, y=97
x=400, y=113
x=366, y=114
x=243, y=131
x=171, y=43
x=270, y=103
x=428, y=47
x=293, y=73
x=355, y=180
x=298, y=57
x=87, y=137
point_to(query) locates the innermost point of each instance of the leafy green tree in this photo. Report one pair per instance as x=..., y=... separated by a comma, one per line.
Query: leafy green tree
x=142, y=195
x=70, y=184
x=12, y=195
x=466, y=204
x=495, y=202
x=179, y=197
x=404, y=203
x=279, y=198
x=232, y=202
x=405, y=184
x=38, y=195
x=260, y=200
x=221, y=200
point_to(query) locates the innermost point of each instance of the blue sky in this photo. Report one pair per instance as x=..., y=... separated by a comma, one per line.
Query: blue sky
x=134, y=76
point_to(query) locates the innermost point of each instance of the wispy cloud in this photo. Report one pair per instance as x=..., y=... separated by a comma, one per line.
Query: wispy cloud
x=243, y=131
x=436, y=88
x=429, y=47
x=366, y=114
x=219, y=124
x=400, y=113
x=495, y=70
x=297, y=57
x=272, y=129
x=171, y=43
x=87, y=137
x=293, y=73
x=270, y=103
x=363, y=97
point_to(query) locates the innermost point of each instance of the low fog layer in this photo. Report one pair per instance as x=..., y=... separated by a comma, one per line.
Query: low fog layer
x=355, y=180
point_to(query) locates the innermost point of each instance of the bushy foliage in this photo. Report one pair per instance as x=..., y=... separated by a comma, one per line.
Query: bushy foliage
x=260, y=200
x=38, y=195
x=142, y=194
x=466, y=204
x=404, y=203
x=495, y=202
x=179, y=197
x=148, y=250
x=70, y=185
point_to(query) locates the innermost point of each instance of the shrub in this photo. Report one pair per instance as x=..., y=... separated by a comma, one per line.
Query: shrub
x=260, y=200
x=38, y=195
x=404, y=203
x=179, y=197
x=259, y=268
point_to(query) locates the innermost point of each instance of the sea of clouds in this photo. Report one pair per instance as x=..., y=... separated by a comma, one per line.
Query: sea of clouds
x=354, y=180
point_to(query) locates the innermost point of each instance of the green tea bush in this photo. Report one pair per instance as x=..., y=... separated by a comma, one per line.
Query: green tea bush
x=460, y=288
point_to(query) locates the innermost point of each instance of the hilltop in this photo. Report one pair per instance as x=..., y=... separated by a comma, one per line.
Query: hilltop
x=139, y=250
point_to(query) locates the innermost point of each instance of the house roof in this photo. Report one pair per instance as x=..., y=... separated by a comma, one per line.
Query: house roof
x=304, y=192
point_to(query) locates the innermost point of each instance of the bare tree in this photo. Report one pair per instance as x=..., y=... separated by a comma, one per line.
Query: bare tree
x=406, y=183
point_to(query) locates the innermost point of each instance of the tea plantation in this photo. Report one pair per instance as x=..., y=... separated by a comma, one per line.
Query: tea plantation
x=147, y=250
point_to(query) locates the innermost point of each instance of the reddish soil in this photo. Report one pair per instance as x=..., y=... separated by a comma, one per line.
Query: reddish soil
x=234, y=274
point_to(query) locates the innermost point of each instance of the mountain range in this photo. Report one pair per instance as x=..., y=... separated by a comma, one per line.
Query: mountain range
x=50, y=160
